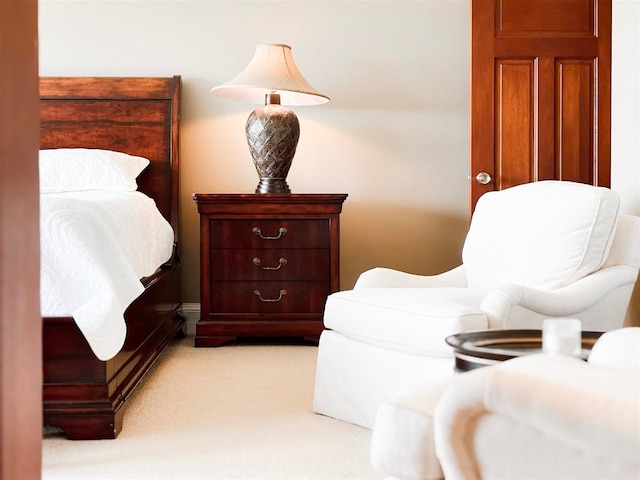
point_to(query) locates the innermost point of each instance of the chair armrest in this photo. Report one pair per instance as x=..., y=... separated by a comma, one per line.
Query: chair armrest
x=591, y=409
x=388, y=278
x=566, y=301
x=617, y=348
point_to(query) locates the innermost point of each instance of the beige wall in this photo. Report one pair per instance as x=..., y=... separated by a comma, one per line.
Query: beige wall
x=625, y=104
x=394, y=136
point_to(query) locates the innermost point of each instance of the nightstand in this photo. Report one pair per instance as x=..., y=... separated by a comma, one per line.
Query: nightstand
x=267, y=264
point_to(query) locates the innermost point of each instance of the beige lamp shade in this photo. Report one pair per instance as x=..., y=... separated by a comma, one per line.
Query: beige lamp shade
x=272, y=70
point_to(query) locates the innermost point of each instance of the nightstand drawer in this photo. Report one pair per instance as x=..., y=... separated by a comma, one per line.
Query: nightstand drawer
x=268, y=297
x=271, y=233
x=270, y=264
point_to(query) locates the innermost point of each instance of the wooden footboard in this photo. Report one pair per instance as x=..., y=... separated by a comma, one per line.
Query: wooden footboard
x=84, y=396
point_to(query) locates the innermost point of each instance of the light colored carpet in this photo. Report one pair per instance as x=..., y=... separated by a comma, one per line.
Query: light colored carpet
x=234, y=412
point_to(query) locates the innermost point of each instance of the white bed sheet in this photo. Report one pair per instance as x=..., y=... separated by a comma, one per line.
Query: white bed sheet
x=95, y=248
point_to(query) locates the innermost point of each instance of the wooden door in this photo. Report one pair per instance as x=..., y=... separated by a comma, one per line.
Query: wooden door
x=540, y=92
x=20, y=322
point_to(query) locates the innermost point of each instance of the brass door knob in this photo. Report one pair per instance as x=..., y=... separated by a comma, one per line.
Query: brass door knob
x=483, y=178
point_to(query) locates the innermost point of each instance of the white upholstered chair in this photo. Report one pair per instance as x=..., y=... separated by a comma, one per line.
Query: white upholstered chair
x=538, y=416
x=534, y=251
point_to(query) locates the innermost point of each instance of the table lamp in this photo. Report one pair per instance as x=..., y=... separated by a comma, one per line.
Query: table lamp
x=272, y=130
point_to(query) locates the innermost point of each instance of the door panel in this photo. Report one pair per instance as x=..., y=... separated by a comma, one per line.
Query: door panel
x=515, y=115
x=550, y=18
x=540, y=92
x=574, y=114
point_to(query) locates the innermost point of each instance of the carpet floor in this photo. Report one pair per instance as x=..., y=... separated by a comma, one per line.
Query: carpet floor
x=241, y=411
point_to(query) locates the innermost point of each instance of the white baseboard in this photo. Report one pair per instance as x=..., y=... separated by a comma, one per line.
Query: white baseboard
x=191, y=312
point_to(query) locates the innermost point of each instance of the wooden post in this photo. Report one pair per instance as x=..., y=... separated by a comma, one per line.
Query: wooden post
x=20, y=322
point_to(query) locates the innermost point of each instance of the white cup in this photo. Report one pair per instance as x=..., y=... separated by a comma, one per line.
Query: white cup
x=562, y=336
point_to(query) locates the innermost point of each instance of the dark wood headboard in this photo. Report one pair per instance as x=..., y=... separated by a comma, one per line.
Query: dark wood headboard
x=135, y=115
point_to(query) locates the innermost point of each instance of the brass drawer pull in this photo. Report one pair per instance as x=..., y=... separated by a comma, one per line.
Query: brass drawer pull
x=258, y=263
x=281, y=233
x=259, y=295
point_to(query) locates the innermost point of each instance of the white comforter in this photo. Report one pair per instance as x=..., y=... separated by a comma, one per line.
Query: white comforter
x=95, y=248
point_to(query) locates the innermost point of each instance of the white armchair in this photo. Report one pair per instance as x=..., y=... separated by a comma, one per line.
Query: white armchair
x=534, y=251
x=546, y=417
x=538, y=416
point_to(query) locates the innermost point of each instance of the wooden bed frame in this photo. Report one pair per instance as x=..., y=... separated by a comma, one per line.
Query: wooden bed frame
x=82, y=395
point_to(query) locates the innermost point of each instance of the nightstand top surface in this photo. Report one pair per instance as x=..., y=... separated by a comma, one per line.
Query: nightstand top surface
x=269, y=202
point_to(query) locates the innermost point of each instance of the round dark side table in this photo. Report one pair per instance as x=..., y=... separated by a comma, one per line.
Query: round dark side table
x=488, y=347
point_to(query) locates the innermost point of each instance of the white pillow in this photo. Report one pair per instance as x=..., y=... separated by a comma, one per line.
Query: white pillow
x=78, y=169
